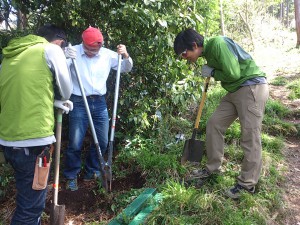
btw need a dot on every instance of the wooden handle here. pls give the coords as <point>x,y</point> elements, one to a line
<point>199,113</point>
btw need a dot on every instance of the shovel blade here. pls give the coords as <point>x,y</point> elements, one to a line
<point>193,151</point>
<point>57,214</point>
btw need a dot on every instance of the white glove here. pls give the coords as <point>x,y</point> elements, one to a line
<point>66,105</point>
<point>207,71</point>
<point>70,52</point>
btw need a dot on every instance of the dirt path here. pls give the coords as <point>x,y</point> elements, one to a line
<point>291,188</point>
<point>291,195</point>
<point>287,65</point>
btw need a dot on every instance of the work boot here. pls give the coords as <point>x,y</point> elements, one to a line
<point>203,173</point>
<point>236,191</point>
<point>72,185</point>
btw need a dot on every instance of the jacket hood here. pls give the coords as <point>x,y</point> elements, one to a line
<point>18,45</point>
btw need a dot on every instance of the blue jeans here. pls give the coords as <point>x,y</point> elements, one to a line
<point>78,124</point>
<point>30,203</point>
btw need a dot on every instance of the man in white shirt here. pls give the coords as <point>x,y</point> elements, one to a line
<point>94,63</point>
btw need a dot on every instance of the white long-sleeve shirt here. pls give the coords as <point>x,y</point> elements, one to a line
<point>94,71</point>
<point>57,63</point>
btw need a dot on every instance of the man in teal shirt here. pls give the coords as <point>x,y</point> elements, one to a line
<point>247,95</point>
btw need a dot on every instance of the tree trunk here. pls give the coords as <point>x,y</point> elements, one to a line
<point>281,12</point>
<point>21,21</point>
<point>287,22</point>
<point>249,29</point>
<point>222,18</point>
<point>297,21</point>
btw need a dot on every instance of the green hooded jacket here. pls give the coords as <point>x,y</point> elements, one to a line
<point>26,91</point>
<point>233,66</point>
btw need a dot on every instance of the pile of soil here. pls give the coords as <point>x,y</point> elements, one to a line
<point>90,202</point>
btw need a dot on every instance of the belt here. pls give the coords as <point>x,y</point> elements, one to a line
<point>94,96</point>
<point>90,96</point>
<point>34,150</point>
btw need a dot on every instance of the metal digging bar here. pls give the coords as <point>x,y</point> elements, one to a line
<point>113,124</point>
<point>99,153</point>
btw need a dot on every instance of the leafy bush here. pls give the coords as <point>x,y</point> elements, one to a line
<point>146,156</point>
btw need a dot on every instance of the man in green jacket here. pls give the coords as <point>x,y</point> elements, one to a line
<point>247,95</point>
<point>32,68</point>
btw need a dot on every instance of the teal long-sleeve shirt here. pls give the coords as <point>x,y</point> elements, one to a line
<point>233,65</point>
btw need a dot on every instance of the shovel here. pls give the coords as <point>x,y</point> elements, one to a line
<point>193,149</point>
<point>113,123</point>
<point>57,213</point>
<point>103,166</point>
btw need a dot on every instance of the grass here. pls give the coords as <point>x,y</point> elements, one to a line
<point>294,87</point>
<point>190,205</point>
<point>279,81</point>
<point>276,109</point>
<point>274,123</point>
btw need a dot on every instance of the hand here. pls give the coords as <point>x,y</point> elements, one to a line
<point>207,71</point>
<point>66,105</point>
<point>121,49</point>
<point>70,52</point>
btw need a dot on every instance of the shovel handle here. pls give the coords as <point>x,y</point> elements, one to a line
<point>199,113</point>
<point>57,154</point>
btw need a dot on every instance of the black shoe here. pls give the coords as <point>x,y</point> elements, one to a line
<point>204,173</point>
<point>235,192</point>
<point>195,182</point>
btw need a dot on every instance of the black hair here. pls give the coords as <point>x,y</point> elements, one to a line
<point>186,39</point>
<point>51,33</point>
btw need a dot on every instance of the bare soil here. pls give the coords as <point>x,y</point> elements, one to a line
<point>88,203</point>
<point>291,195</point>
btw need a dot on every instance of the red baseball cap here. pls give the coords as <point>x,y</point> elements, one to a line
<point>92,36</point>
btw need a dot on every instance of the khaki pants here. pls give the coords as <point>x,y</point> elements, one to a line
<point>247,104</point>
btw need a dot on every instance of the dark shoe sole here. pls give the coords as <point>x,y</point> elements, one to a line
<point>237,196</point>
